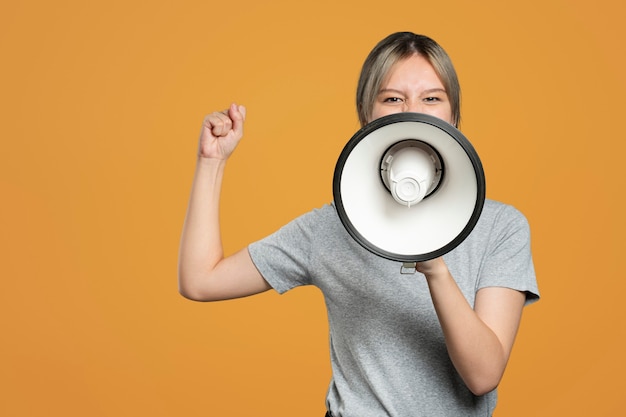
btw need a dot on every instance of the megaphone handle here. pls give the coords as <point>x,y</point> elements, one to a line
<point>408,268</point>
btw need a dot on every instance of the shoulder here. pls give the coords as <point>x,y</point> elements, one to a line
<point>498,217</point>
<point>496,210</point>
<point>500,226</point>
<point>304,229</point>
<point>315,219</point>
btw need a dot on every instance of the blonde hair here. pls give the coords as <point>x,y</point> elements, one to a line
<point>394,48</point>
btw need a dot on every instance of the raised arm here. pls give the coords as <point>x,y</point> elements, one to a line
<point>204,274</point>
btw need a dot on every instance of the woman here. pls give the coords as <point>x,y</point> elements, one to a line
<point>431,344</point>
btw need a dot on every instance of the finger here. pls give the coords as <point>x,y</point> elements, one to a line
<point>237,114</point>
<point>215,119</point>
<point>242,110</point>
<point>218,123</point>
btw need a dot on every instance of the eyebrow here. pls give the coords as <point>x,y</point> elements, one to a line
<point>428,91</point>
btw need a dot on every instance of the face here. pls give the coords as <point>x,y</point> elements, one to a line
<point>412,85</point>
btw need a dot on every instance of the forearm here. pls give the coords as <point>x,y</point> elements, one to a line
<point>475,350</point>
<point>201,245</point>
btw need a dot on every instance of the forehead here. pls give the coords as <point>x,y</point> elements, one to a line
<point>414,70</point>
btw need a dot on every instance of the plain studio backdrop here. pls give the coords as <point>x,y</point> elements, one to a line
<point>101,105</point>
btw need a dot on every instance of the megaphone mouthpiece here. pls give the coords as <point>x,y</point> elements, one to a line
<point>410,170</point>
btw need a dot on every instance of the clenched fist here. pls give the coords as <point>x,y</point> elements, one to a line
<point>221,132</point>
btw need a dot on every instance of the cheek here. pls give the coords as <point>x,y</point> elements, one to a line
<point>445,115</point>
<point>441,112</point>
<point>380,111</point>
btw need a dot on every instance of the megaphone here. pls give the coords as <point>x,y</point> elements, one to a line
<point>409,187</point>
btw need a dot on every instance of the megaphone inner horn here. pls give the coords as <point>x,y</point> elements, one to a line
<point>411,170</point>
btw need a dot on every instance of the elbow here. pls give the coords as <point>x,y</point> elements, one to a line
<point>483,376</point>
<point>483,384</point>
<point>189,290</point>
<point>483,387</point>
<point>196,295</point>
<point>191,295</point>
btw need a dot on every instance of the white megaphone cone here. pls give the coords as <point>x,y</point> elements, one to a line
<point>409,187</point>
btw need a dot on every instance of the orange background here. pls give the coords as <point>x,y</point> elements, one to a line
<point>101,104</point>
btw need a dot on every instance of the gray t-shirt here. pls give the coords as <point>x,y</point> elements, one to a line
<point>387,351</point>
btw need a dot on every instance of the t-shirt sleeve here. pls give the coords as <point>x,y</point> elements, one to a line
<point>508,262</point>
<point>282,258</point>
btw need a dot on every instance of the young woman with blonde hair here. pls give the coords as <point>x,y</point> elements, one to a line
<point>435,343</point>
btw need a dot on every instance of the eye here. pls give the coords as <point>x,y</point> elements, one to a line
<point>392,100</point>
<point>432,99</point>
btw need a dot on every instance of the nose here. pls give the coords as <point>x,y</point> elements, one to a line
<point>413,107</point>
